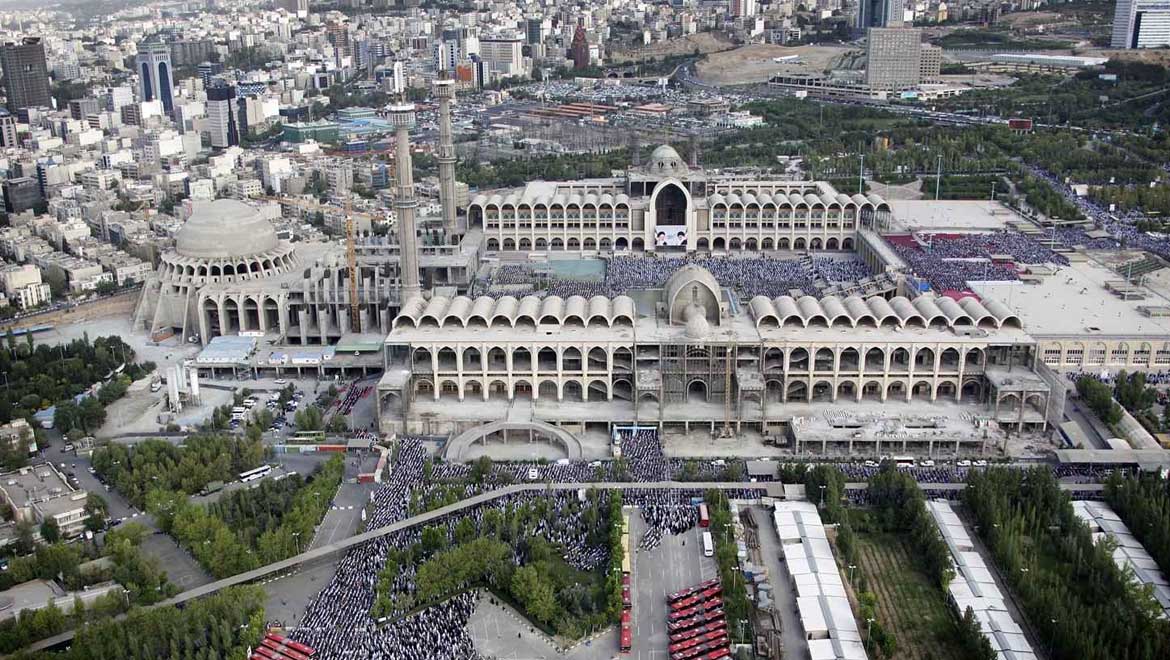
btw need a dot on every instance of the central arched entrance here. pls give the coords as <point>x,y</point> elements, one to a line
<point>670,216</point>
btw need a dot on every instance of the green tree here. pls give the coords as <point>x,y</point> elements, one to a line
<point>531,590</point>
<point>481,469</point>
<point>96,511</point>
<point>1098,397</point>
<point>50,533</point>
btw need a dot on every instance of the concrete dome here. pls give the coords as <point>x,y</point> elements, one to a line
<point>225,229</point>
<point>665,161</point>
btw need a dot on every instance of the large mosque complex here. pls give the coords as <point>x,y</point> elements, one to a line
<point>471,355</point>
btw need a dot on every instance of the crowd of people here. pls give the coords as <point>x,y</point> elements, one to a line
<point>751,276</point>
<point>835,271</point>
<point>1121,226</point>
<point>338,622</point>
<point>353,394</point>
<point>642,451</point>
<point>1153,378</point>
<point>949,261</point>
<point>1021,248</point>
<point>439,631</point>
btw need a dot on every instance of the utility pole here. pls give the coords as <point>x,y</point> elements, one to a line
<point>938,178</point>
<point>861,177</point>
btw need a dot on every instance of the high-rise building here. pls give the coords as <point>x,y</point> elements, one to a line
<point>535,30</point>
<point>880,13</point>
<point>117,97</point>
<point>298,8</point>
<point>221,116</point>
<point>743,8</point>
<point>930,66</point>
<point>446,55</point>
<point>337,34</point>
<point>82,108</point>
<point>189,52</point>
<point>26,76</point>
<point>894,58</point>
<point>8,135</point>
<point>153,65</point>
<point>209,70</point>
<point>503,54</point>
<point>579,49</point>
<point>22,194</point>
<point>1141,24</point>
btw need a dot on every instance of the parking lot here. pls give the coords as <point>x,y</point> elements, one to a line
<point>674,565</point>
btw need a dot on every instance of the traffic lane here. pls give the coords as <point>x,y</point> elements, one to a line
<point>117,505</point>
<point>181,568</point>
<point>343,517</point>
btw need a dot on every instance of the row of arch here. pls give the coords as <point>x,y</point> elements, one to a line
<point>875,360</point>
<point>571,244</point>
<point>738,199</point>
<point>1100,353</point>
<point>175,268</point>
<point>510,312</point>
<point>752,244</point>
<point>448,359</point>
<point>802,390</point>
<point>596,389</point>
<point>231,314</point>
<point>703,243</point>
<point>825,390</point>
<point>514,201</point>
<point>497,359</point>
<point>897,312</point>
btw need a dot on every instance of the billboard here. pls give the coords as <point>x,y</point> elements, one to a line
<point>670,235</point>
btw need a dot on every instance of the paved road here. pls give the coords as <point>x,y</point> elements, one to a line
<point>674,565</point>
<point>180,566</point>
<point>324,552</point>
<point>784,600</point>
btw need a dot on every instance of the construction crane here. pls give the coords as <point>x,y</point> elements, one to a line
<point>355,313</point>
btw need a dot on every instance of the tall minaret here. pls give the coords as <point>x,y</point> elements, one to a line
<point>445,92</point>
<point>405,205</point>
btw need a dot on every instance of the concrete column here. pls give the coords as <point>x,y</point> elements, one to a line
<point>405,204</point>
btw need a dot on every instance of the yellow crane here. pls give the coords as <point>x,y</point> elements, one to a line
<point>355,314</point>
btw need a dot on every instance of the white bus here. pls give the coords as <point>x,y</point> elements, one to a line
<point>253,475</point>
<point>903,461</point>
<point>708,545</point>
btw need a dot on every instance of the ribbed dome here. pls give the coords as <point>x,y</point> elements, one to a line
<point>225,229</point>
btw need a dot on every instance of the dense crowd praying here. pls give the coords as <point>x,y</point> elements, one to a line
<point>338,621</point>
<point>1120,225</point>
<point>750,276</point>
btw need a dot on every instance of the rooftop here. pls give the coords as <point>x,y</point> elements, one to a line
<point>1074,301</point>
<point>32,484</point>
<point>953,215</point>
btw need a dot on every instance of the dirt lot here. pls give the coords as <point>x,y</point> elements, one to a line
<point>756,63</point>
<point>706,42</point>
<point>119,305</point>
<point>1159,56</point>
<point>1027,18</point>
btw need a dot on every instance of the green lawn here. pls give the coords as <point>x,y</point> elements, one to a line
<point>909,605</point>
